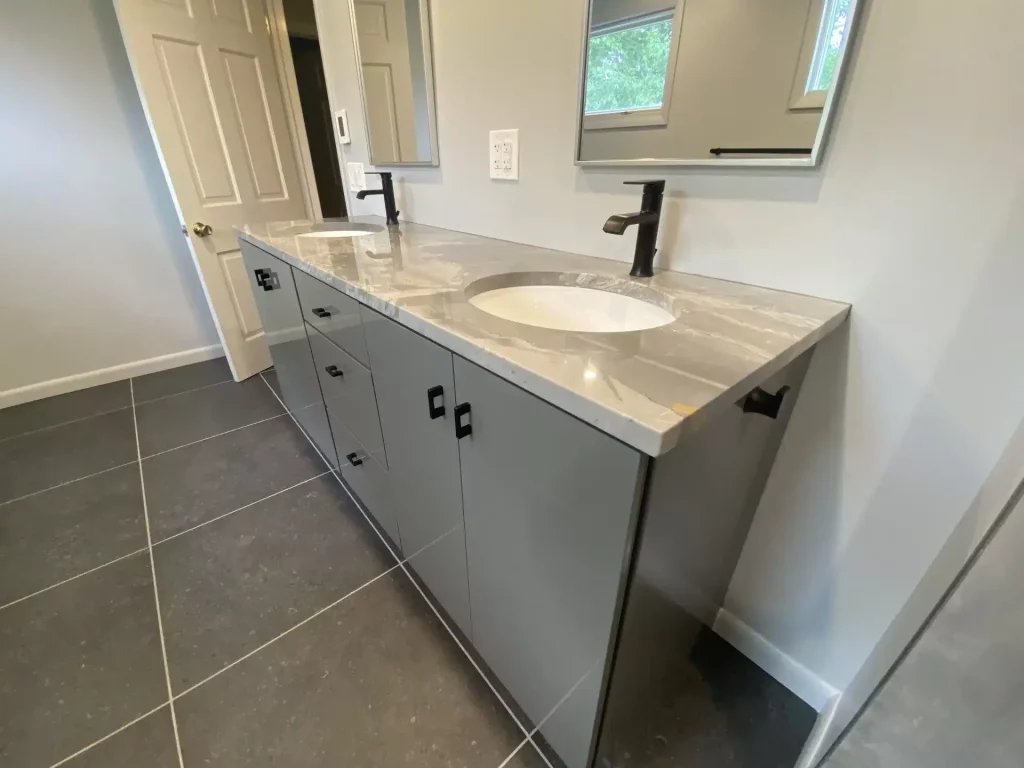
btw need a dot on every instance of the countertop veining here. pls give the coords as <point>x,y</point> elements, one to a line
<point>646,388</point>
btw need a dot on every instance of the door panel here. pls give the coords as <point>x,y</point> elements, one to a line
<point>549,509</point>
<point>205,71</point>
<point>423,458</point>
<point>382,122</point>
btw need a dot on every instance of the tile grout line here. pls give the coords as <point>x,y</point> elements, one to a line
<point>515,751</point>
<point>72,578</point>
<point>67,482</point>
<point>402,565</point>
<point>110,411</point>
<point>156,591</point>
<point>288,631</point>
<point>99,741</point>
<point>233,511</point>
<point>210,437</point>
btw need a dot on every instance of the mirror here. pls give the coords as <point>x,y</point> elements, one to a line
<point>710,82</point>
<point>392,42</point>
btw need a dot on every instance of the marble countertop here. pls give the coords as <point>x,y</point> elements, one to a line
<point>646,388</point>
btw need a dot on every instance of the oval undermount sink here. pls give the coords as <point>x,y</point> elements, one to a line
<point>571,308</point>
<point>337,233</point>
<point>329,229</point>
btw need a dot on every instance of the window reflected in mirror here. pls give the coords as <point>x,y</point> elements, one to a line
<point>703,80</point>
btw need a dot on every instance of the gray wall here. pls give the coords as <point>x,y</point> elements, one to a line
<point>955,699</point>
<point>732,86</point>
<point>914,217</point>
<point>96,272</point>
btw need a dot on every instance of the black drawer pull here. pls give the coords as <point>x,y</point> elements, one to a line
<point>355,462</point>
<point>436,411</point>
<point>266,279</point>
<point>462,430</point>
<point>334,371</point>
<point>320,312</point>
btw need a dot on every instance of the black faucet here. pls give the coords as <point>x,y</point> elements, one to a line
<point>646,219</point>
<point>387,188</point>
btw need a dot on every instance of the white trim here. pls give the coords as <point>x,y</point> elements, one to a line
<point>816,746</point>
<point>282,50</point>
<point>629,118</point>
<point>787,670</point>
<point>88,379</point>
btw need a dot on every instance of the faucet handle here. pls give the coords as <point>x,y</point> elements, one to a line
<point>658,184</point>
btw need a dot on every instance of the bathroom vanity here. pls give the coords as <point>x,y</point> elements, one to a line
<point>566,478</point>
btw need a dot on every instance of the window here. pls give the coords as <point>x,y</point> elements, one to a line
<point>835,24</point>
<point>827,30</point>
<point>628,71</point>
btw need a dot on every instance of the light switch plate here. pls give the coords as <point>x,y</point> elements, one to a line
<point>356,177</point>
<point>503,161</point>
<point>341,117</point>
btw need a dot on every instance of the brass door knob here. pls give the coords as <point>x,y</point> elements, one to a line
<point>202,230</point>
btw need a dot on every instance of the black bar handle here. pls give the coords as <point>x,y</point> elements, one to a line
<point>334,371</point>
<point>355,462</point>
<point>435,411</point>
<point>462,430</point>
<point>764,403</point>
<point>320,312</point>
<point>716,151</point>
<point>265,279</point>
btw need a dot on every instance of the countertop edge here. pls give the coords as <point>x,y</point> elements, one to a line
<point>613,423</point>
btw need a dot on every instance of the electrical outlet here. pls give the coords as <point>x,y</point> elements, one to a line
<point>504,154</point>
<point>356,177</point>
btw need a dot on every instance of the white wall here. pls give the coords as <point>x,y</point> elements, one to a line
<point>96,272</point>
<point>915,218</point>
<point>732,86</point>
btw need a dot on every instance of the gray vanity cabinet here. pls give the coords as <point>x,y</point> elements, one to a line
<point>550,506</point>
<point>277,301</point>
<point>423,456</point>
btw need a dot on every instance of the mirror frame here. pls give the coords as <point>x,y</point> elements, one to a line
<point>426,35</point>
<point>811,161</point>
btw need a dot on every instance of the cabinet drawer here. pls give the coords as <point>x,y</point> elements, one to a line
<point>370,482</point>
<point>332,313</point>
<point>348,393</point>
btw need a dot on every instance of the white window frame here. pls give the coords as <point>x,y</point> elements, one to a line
<point>811,51</point>
<point>651,116</point>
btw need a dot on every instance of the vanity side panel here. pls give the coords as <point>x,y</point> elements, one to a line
<point>550,511</point>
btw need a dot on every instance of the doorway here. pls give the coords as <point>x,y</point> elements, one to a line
<point>304,40</point>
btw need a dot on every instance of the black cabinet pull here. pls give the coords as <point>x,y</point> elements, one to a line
<point>764,403</point>
<point>320,312</point>
<point>355,462</point>
<point>462,430</point>
<point>436,411</point>
<point>266,279</point>
<point>334,371</point>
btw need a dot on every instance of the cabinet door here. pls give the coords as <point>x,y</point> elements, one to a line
<point>550,511</point>
<point>423,456</point>
<point>274,288</point>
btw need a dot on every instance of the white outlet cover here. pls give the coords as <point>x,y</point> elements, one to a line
<point>356,177</point>
<point>503,159</point>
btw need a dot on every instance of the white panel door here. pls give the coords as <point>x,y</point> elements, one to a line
<point>387,80</point>
<point>206,74</point>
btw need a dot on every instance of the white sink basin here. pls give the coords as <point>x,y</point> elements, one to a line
<point>571,308</point>
<point>337,233</point>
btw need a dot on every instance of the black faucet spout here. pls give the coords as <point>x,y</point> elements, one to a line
<point>647,220</point>
<point>387,190</point>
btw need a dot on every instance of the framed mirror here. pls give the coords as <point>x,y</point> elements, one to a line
<point>710,82</point>
<point>396,80</point>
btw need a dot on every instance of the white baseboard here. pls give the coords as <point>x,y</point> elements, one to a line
<point>67,384</point>
<point>816,744</point>
<point>787,670</point>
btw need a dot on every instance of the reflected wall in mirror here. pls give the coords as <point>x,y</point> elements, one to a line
<point>392,41</point>
<point>694,82</point>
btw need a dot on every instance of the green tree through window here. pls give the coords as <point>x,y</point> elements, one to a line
<point>626,67</point>
<point>835,27</point>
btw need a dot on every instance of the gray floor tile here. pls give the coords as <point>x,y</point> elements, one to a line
<point>526,756</point>
<point>148,743</point>
<point>183,379</point>
<point>78,662</point>
<point>45,459</point>
<point>199,482</point>
<point>66,531</point>
<point>52,411</point>
<point>375,681</point>
<point>271,378</point>
<point>175,421</point>
<point>231,586</point>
